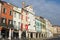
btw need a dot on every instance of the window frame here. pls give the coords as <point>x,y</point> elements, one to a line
<point>4,10</point>
<point>11,12</point>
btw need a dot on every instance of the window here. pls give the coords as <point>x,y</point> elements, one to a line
<point>10,22</point>
<point>4,10</point>
<point>14,22</point>
<point>10,12</point>
<point>18,23</point>
<point>15,27</point>
<point>37,23</point>
<point>19,16</point>
<point>15,14</point>
<point>3,20</point>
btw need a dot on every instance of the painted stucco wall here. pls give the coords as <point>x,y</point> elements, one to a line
<point>16,15</point>
<point>31,21</point>
<point>38,25</point>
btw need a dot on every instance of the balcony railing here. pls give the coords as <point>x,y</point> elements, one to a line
<point>3,24</point>
<point>10,26</point>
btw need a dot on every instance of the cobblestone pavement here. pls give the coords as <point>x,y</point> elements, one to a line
<point>56,38</point>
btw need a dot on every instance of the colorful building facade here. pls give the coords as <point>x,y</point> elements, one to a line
<point>6,17</point>
<point>17,18</point>
<point>49,28</point>
<point>31,22</point>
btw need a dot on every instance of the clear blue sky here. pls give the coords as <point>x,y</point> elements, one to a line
<point>49,9</point>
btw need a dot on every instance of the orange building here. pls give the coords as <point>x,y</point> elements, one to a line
<point>6,17</point>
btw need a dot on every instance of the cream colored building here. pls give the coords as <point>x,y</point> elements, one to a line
<point>43,24</point>
<point>56,31</point>
<point>49,28</point>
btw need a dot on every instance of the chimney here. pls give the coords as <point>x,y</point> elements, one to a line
<point>23,4</point>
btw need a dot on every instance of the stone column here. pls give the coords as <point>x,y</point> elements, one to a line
<point>26,34</point>
<point>34,36</point>
<point>38,35</point>
<point>9,34</point>
<point>19,34</point>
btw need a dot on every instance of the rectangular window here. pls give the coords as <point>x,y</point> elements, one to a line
<point>10,22</point>
<point>15,14</point>
<point>18,23</point>
<point>4,10</point>
<point>3,20</point>
<point>14,22</point>
<point>19,16</point>
<point>10,12</point>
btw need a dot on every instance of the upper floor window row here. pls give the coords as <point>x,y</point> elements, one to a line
<point>4,11</point>
<point>16,14</point>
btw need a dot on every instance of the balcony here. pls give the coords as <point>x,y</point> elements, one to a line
<point>10,25</point>
<point>3,24</point>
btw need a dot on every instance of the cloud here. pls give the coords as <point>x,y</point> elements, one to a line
<point>46,8</point>
<point>49,10</point>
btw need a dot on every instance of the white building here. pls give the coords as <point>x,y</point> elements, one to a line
<point>17,20</point>
<point>48,28</point>
<point>31,22</point>
<point>16,17</point>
